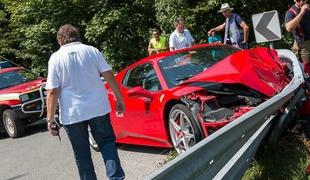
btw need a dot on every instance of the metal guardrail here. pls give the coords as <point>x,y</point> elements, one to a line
<point>227,153</point>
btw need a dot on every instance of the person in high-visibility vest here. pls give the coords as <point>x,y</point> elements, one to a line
<point>157,43</point>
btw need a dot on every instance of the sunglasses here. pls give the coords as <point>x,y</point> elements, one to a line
<point>300,0</point>
<point>155,34</point>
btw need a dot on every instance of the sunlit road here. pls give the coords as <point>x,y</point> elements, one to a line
<point>41,156</point>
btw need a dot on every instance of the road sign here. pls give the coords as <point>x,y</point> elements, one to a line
<point>266,26</point>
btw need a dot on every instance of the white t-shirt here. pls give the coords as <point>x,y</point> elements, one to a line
<point>75,69</point>
<point>180,40</point>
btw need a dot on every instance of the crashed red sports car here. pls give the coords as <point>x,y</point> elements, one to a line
<point>175,99</point>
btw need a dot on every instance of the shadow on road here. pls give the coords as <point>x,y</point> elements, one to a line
<point>17,177</point>
<point>37,127</point>
<point>144,149</point>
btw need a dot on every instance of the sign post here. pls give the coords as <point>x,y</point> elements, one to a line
<point>267,27</point>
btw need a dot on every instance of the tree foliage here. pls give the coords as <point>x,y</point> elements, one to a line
<point>119,28</point>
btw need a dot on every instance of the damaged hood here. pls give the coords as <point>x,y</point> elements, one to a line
<point>259,69</point>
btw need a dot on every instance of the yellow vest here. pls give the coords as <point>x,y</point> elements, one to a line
<point>159,45</point>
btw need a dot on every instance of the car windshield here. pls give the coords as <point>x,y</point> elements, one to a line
<point>13,78</point>
<point>185,65</point>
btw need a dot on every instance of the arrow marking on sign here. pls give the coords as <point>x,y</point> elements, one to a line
<point>262,26</point>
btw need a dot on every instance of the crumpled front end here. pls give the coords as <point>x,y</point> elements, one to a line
<point>214,111</point>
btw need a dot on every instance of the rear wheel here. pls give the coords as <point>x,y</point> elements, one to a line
<point>184,130</point>
<point>14,127</point>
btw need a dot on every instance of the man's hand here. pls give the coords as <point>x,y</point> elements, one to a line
<point>210,32</point>
<point>52,131</point>
<point>304,8</point>
<point>119,108</point>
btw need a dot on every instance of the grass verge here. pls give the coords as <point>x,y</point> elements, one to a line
<point>286,160</point>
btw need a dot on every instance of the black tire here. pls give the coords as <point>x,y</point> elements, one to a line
<point>190,130</point>
<point>14,127</point>
<point>92,141</point>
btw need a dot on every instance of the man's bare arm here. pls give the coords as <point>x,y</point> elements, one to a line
<point>292,25</point>
<point>245,28</point>
<point>110,79</point>
<point>218,28</point>
<point>51,102</point>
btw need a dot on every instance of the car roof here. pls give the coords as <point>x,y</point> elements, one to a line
<point>10,69</point>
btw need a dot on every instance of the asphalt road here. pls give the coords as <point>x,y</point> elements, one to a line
<point>39,156</point>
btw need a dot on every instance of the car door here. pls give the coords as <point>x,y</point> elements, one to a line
<point>143,110</point>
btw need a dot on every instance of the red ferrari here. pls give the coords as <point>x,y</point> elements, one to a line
<point>175,99</point>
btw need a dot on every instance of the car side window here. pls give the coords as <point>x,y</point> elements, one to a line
<point>144,76</point>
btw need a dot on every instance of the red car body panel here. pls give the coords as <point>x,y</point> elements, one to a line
<point>145,122</point>
<point>259,69</point>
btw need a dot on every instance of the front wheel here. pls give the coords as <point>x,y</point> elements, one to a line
<point>184,130</point>
<point>14,127</point>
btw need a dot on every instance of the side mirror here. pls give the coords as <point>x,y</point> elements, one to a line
<point>140,92</point>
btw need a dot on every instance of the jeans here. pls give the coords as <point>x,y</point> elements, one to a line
<point>240,45</point>
<point>103,134</point>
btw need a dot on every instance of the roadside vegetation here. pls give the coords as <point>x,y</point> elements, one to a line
<point>286,160</point>
<point>120,29</point>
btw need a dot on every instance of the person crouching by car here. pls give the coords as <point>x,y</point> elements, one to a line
<point>74,79</point>
<point>214,38</point>
<point>157,43</point>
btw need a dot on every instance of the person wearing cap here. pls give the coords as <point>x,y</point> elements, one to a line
<point>236,30</point>
<point>297,21</point>
<point>181,37</point>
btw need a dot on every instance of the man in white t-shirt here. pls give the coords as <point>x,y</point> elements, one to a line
<point>181,37</point>
<point>74,79</point>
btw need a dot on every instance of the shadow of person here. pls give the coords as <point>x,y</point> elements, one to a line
<point>34,128</point>
<point>143,149</point>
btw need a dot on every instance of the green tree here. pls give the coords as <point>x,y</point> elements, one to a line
<point>119,28</point>
<point>201,16</point>
<point>122,31</point>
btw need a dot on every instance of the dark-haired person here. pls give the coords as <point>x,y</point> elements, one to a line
<point>181,37</point>
<point>157,43</point>
<point>74,79</point>
<point>297,21</point>
<point>236,30</point>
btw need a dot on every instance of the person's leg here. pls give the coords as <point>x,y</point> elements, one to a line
<point>296,51</point>
<point>78,136</point>
<point>103,134</point>
<point>305,56</point>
